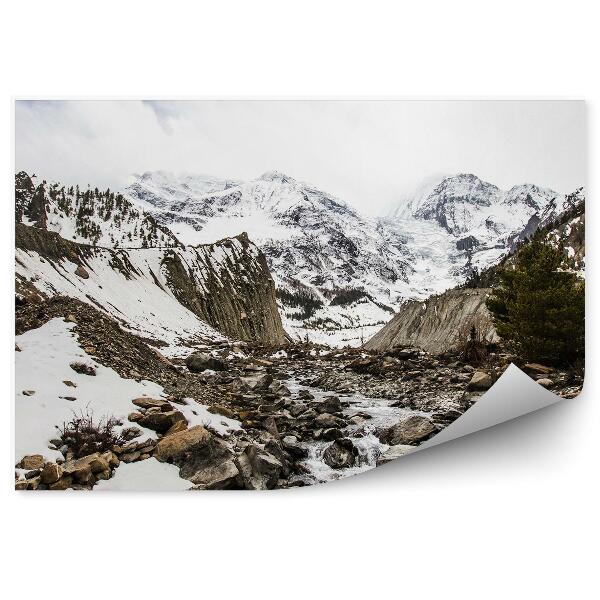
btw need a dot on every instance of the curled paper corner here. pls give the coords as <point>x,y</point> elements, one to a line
<point>513,395</point>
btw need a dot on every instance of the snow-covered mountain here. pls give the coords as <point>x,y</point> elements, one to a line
<point>464,223</point>
<point>90,216</point>
<point>339,275</point>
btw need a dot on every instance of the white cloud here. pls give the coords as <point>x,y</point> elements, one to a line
<point>366,152</point>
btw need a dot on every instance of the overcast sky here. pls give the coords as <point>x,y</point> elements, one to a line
<point>369,153</point>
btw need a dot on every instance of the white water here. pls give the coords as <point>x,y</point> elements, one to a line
<point>368,445</point>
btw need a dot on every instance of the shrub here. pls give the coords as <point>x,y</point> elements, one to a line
<point>83,436</point>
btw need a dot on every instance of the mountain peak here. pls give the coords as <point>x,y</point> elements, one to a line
<point>276,176</point>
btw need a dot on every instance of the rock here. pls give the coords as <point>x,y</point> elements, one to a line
<point>80,271</point>
<point>394,452</point>
<point>238,386</point>
<point>537,369</point>
<point>64,483</point>
<point>69,383</point>
<point>219,409</point>
<point>258,383</point>
<point>341,454</point>
<point>129,457</point>
<point>330,404</point>
<point>28,392</point>
<point>130,433</point>
<point>178,445</point>
<point>51,473</point>
<point>480,381</point>
<point>83,369</point>
<point>152,403</point>
<point>176,427</point>
<point>218,477</point>
<point>329,435</point>
<point>356,420</point>
<point>82,468</point>
<point>31,461</point>
<point>545,382</point>
<point>270,425</point>
<point>411,430</point>
<point>134,417</point>
<point>160,421</point>
<point>362,365</point>
<point>327,421</point>
<point>204,459</point>
<point>297,409</point>
<point>200,361</point>
<point>290,443</point>
<point>258,469</point>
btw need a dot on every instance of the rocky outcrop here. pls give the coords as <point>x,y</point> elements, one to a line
<point>437,324</point>
<point>226,285</point>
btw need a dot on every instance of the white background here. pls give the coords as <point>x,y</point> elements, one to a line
<point>506,513</point>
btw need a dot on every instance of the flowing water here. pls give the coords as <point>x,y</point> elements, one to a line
<point>368,445</point>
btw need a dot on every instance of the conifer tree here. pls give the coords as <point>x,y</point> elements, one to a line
<point>539,306</point>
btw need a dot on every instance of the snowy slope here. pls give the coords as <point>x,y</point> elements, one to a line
<point>462,222</point>
<point>179,296</point>
<point>42,365</point>
<point>318,248</point>
<point>88,216</point>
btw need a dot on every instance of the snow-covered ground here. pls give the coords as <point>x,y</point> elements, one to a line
<point>147,475</point>
<point>42,365</point>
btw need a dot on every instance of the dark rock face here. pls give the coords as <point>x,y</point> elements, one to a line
<point>239,300</point>
<point>341,454</point>
<point>236,296</point>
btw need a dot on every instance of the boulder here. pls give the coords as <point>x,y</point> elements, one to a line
<point>152,403</point>
<point>219,409</point>
<point>362,365</point>
<point>200,361</point>
<point>328,421</point>
<point>537,369</point>
<point>179,445</point>
<point>394,452</point>
<point>330,404</point>
<point>341,454</point>
<point>411,430</point>
<point>80,271</point>
<point>545,382</point>
<point>160,421</point>
<point>258,469</point>
<point>480,381</point>
<point>31,461</point>
<point>329,435</point>
<point>63,483</point>
<point>218,477</point>
<point>204,459</point>
<point>290,443</point>
<point>258,383</point>
<point>82,469</point>
<point>51,473</point>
